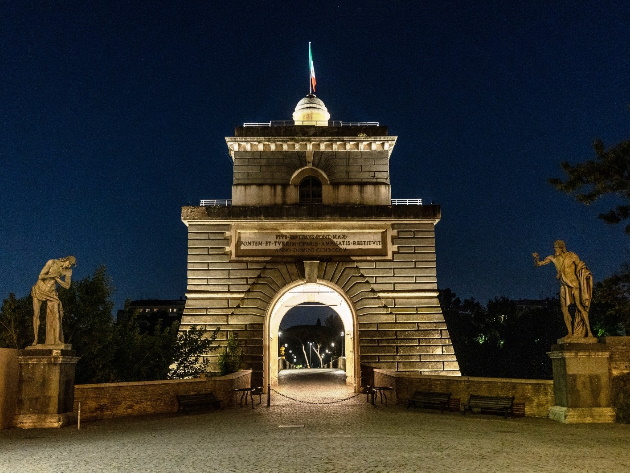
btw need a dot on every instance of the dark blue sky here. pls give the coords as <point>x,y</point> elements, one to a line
<point>113,115</point>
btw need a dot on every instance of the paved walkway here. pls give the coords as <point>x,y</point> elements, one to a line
<point>290,436</point>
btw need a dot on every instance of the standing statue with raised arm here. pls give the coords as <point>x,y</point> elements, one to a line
<point>56,271</point>
<point>576,287</point>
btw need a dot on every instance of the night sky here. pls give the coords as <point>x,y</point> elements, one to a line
<point>113,116</point>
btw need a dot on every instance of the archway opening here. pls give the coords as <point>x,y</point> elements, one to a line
<point>297,310</point>
<point>311,338</point>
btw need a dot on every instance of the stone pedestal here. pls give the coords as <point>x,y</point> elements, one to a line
<point>581,383</point>
<point>45,386</point>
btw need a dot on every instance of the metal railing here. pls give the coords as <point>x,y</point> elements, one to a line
<point>216,202</point>
<point>406,201</point>
<point>227,202</point>
<point>310,122</point>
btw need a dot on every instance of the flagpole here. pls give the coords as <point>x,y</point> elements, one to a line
<point>310,82</point>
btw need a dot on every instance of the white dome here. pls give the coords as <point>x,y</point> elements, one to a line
<point>311,111</point>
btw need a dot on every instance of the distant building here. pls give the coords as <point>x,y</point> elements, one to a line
<point>524,305</point>
<point>150,311</point>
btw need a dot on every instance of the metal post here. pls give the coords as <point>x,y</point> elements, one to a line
<point>268,395</point>
<point>79,417</point>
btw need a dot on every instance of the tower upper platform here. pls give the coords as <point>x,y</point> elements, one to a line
<point>311,160</point>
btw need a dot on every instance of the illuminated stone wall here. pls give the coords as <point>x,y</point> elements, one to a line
<point>353,169</point>
<point>379,257</point>
<point>8,386</point>
<point>393,293</point>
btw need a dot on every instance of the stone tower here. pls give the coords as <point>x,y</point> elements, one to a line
<point>311,220</point>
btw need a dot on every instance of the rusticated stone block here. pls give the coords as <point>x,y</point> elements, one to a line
<point>378,350</point>
<point>441,357</point>
<point>397,326</point>
<point>420,365</point>
<point>376,334</point>
<point>421,350</point>
<point>399,341</point>
<point>422,334</point>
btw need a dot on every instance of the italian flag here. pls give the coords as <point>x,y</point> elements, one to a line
<point>311,68</point>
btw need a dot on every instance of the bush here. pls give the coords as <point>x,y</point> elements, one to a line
<point>230,360</point>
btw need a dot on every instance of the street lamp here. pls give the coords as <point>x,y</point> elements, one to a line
<point>342,340</point>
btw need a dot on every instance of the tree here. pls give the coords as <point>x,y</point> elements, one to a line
<point>316,337</point>
<point>528,335</point>
<point>608,174</point>
<point>507,338</point>
<point>462,319</point>
<point>16,329</point>
<point>88,326</point>
<point>188,350</point>
<point>109,350</point>
<point>230,360</point>
<point>335,324</point>
<point>300,334</point>
<point>610,311</point>
<point>140,355</point>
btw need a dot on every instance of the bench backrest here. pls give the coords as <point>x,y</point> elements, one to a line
<point>431,395</point>
<point>197,397</point>
<point>491,401</point>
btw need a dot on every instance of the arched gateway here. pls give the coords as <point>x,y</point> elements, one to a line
<point>311,220</point>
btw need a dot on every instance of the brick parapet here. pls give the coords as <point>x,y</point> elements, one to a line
<point>109,400</point>
<point>536,394</point>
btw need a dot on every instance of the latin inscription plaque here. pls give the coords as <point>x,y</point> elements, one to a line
<point>311,243</point>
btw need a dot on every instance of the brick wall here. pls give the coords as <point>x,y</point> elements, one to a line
<point>104,401</point>
<point>536,394</point>
<point>8,386</point>
<point>619,369</point>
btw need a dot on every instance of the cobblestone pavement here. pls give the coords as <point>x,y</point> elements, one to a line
<point>292,436</point>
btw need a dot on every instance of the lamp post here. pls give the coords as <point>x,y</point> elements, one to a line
<point>342,340</point>
<point>332,353</point>
<point>310,359</point>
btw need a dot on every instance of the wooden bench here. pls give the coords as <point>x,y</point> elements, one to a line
<point>430,400</point>
<point>490,404</point>
<point>194,402</point>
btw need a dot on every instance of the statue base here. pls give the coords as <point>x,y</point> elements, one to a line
<point>50,346</point>
<point>568,339</point>
<point>45,387</point>
<point>583,415</point>
<point>43,421</point>
<point>581,383</point>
